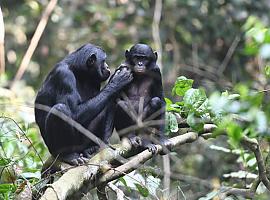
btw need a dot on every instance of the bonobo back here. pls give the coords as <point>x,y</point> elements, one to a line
<point>71,92</point>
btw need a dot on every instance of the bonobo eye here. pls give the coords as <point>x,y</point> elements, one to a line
<point>91,60</point>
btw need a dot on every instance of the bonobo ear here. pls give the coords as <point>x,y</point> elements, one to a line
<point>91,60</point>
<point>156,56</point>
<point>127,53</point>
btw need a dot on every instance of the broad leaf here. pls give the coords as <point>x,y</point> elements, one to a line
<point>182,84</point>
<point>142,190</point>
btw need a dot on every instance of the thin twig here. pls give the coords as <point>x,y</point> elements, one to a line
<point>34,41</point>
<point>2,40</point>
<point>253,145</point>
<point>228,56</point>
<point>167,174</point>
<point>155,31</point>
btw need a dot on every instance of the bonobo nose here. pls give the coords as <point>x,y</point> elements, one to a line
<point>140,64</point>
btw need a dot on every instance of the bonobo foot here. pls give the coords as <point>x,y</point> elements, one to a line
<point>135,141</point>
<point>89,151</point>
<point>152,148</point>
<point>166,145</point>
<point>73,159</point>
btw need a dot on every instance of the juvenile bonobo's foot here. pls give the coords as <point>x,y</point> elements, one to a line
<point>135,141</point>
<point>166,145</point>
<point>89,151</point>
<point>73,159</point>
<point>152,148</point>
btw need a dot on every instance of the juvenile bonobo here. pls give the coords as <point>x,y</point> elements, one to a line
<point>142,98</point>
<point>73,88</point>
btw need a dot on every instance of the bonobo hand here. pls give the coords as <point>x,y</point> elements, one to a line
<point>73,159</point>
<point>121,77</point>
<point>155,103</point>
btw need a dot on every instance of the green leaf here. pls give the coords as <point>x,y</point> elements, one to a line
<point>196,100</point>
<point>171,122</point>
<point>267,70</point>
<point>194,122</point>
<point>6,187</point>
<point>142,190</point>
<point>4,161</point>
<point>122,180</point>
<point>170,106</point>
<point>235,133</point>
<point>168,101</point>
<point>182,84</point>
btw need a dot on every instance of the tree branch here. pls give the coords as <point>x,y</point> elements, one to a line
<point>83,178</point>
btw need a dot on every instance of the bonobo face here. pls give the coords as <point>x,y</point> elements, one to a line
<point>97,65</point>
<point>140,63</point>
<point>141,58</point>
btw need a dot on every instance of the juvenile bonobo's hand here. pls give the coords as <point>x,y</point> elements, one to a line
<point>121,77</point>
<point>156,102</point>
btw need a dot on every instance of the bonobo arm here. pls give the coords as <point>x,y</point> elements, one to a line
<point>88,110</point>
<point>84,112</point>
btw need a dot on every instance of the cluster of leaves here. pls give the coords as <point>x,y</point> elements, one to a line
<point>21,148</point>
<point>239,113</point>
<point>242,113</point>
<point>193,106</point>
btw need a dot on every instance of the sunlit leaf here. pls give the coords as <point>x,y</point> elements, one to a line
<point>267,70</point>
<point>194,122</point>
<point>142,190</point>
<point>182,84</point>
<point>235,133</point>
<point>171,122</point>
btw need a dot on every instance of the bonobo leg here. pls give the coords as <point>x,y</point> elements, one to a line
<point>66,148</point>
<point>154,106</point>
<point>156,111</point>
<point>102,127</point>
<point>125,118</point>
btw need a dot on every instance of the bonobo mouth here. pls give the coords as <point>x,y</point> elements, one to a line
<point>139,71</point>
<point>105,71</point>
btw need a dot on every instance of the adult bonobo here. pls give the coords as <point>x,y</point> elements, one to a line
<point>73,88</point>
<point>141,99</point>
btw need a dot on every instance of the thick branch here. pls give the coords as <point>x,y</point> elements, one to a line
<point>74,179</point>
<point>253,145</point>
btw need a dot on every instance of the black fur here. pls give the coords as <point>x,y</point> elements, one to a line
<point>147,88</point>
<point>73,88</point>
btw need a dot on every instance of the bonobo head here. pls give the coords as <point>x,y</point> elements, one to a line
<point>89,60</point>
<point>141,58</point>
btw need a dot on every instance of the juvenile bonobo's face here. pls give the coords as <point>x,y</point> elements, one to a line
<point>96,64</point>
<point>141,58</point>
